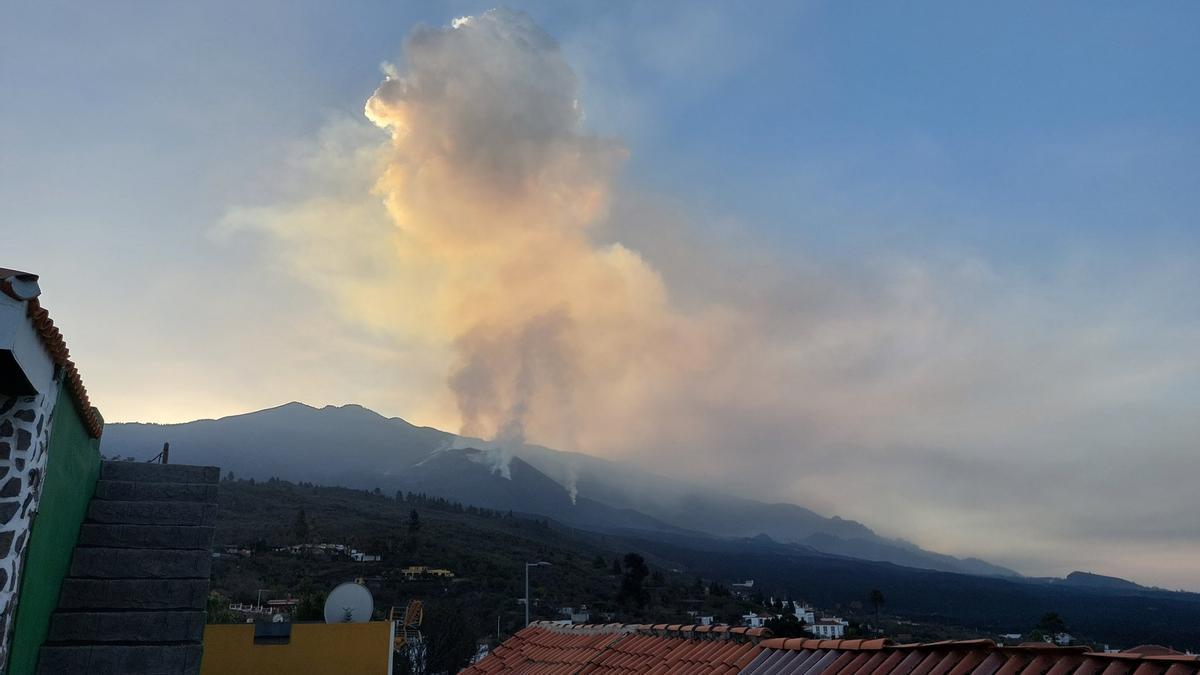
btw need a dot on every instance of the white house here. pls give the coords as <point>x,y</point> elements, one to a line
<point>828,627</point>
<point>359,556</point>
<point>755,620</point>
<point>581,615</point>
<point>742,589</point>
<point>803,613</point>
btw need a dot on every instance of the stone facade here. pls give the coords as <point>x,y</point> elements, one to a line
<point>24,437</point>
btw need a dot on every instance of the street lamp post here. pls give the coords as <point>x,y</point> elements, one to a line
<point>527,566</point>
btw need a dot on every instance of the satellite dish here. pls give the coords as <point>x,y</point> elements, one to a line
<point>349,603</point>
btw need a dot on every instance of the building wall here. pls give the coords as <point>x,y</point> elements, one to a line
<point>72,469</point>
<point>314,648</point>
<point>24,430</point>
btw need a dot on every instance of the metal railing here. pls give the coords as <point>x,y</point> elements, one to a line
<point>161,457</point>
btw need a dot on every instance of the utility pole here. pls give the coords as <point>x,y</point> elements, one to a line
<point>527,566</point>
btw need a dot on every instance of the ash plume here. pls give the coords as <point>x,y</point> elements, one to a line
<point>491,175</point>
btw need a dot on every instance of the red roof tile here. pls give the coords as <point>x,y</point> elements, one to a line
<point>666,650</point>
<point>967,657</point>
<point>57,347</point>
<point>660,649</point>
<point>23,286</point>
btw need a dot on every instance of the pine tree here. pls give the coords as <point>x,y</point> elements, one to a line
<point>877,600</point>
<point>633,589</point>
<point>300,527</point>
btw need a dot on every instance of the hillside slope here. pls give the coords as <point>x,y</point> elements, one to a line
<point>487,552</point>
<point>458,472</point>
<point>353,446</point>
<point>984,605</point>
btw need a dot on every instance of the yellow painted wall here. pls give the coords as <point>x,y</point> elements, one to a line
<point>315,649</point>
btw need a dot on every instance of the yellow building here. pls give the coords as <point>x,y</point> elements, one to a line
<point>301,648</point>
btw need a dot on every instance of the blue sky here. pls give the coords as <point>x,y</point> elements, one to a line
<point>984,215</point>
<point>1015,130</point>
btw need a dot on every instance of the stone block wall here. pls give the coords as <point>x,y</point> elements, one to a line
<point>24,437</point>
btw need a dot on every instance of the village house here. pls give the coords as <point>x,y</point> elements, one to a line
<point>417,572</point>
<point>828,627</point>
<point>576,615</point>
<point>755,620</point>
<point>803,613</point>
<point>359,556</point>
<point>283,604</point>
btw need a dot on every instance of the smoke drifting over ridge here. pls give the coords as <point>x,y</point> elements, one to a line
<point>491,176</point>
<point>493,278</point>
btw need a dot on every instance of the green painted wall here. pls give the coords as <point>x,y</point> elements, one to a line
<point>72,468</point>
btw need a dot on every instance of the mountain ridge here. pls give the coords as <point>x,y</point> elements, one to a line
<point>355,446</point>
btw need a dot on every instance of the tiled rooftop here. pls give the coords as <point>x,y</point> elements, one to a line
<point>551,649</point>
<point>544,649</point>
<point>23,286</point>
<point>802,656</point>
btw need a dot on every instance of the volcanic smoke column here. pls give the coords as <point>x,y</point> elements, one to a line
<point>491,175</point>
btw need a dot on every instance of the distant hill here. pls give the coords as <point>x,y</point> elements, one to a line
<point>1100,581</point>
<point>356,447</point>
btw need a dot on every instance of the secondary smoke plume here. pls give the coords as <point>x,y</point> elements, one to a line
<point>491,176</point>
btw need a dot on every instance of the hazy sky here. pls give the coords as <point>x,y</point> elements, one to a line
<point>928,266</point>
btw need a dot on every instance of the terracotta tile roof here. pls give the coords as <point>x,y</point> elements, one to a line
<point>659,649</point>
<point>668,649</point>
<point>802,656</point>
<point>23,286</point>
